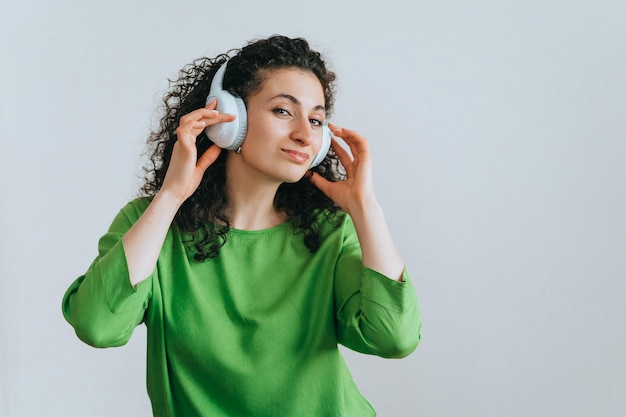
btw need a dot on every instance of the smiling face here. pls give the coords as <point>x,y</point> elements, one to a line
<point>284,126</point>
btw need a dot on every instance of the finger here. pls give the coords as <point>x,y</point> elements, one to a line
<point>335,128</point>
<point>211,105</point>
<point>195,127</point>
<point>188,132</point>
<point>208,157</point>
<point>218,118</point>
<point>344,157</point>
<point>320,182</point>
<point>196,115</point>
<point>204,113</point>
<point>357,143</point>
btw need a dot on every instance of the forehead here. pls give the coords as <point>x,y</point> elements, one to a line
<point>303,85</point>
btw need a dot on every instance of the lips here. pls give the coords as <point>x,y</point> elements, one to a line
<point>297,156</point>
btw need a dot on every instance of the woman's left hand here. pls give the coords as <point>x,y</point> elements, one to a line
<point>355,195</point>
<point>356,192</point>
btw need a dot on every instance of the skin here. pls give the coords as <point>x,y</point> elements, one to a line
<point>284,135</point>
<point>284,128</point>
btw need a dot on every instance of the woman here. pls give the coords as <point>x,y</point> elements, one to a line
<point>250,264</point>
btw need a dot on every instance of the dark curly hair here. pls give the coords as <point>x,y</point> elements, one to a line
<point>202,216</point>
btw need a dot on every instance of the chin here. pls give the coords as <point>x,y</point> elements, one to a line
<point>293,180</point>
<point>293,177</point>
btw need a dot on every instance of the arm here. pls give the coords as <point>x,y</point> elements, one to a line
<point>377,307</point>
<point>102,305</point>
<point>106,303</point>
<point>356,196</point>
<point>375,314</point>
<point>143,242</point>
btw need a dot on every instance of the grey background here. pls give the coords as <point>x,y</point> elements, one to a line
<point>498,135</point>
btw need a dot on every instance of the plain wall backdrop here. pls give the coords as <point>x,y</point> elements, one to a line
<point>498,132</point>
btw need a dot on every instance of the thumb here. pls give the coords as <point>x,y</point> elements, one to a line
<point>320,182</point>
<point>208,157</point>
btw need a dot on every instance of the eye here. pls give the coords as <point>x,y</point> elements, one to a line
<point>281,111</point>
<point>316,122</point>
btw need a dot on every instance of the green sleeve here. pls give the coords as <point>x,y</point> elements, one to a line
<point>375,314</point>
<point>102,305</point>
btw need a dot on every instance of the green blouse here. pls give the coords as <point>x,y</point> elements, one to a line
<point>254,331</point>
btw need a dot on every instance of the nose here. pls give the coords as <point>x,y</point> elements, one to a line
<point>302,131</point>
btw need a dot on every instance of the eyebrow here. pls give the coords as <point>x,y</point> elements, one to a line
<point>296,101</point>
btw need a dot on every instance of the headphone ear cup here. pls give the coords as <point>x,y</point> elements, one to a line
<point>228,135</point>
<point>326,139</point>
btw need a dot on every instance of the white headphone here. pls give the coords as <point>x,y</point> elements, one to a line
<point>232,134</point>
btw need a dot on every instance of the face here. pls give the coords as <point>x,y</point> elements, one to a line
<point>284,126</point>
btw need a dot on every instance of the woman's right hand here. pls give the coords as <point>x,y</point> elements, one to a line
<point>185,170</point>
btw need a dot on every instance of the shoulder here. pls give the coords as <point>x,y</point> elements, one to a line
<point>131,212</point>
<point>137,206</point>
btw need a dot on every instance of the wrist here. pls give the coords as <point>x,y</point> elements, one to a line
<point>168,200</point>
<point>364,207</point>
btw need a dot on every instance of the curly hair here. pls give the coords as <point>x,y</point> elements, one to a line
<point>202,216</point>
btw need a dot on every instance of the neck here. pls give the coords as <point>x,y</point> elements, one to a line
<point>250,199</point>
